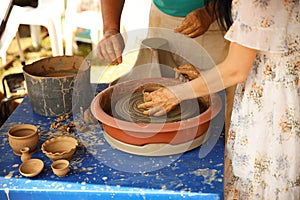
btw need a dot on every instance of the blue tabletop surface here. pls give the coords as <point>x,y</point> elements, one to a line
<point>101,172</point>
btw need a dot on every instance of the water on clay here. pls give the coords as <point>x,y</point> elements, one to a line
<point>126,108</point>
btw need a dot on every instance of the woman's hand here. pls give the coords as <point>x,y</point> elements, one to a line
<point>159,102</point>
<point>195,23</point>
<point>110,48</point>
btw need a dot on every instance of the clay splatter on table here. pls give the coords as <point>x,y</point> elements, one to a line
<point>99,169</point>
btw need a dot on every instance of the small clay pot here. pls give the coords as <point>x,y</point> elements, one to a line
<point>25,154</point>
<point>60,167</point>
<point>31,167</point>
<point>62,147</point>
<point>23,135</point>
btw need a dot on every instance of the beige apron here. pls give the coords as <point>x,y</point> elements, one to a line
<point>212,41</point>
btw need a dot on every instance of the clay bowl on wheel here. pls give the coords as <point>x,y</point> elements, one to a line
<point>115,108</point>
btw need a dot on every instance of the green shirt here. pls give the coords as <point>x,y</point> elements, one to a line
<point>178,8</point>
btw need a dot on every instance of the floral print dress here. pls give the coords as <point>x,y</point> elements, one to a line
<point>263,147</point>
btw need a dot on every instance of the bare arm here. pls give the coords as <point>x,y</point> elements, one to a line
<point>111,46</point>
<point>234,69</point>
<point>111,14</point>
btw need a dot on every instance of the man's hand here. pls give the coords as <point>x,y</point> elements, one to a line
<point>195,23</point>
<point>110,48</point>
<point>189,71</point>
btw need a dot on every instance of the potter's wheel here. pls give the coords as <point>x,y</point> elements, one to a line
<point>116,109</point>
<point>126,108</point>
<point>158,149</point>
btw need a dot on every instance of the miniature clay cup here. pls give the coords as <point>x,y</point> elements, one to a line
<point>61,147</point>
<point>60,167</point>
<point>31,167</point>
<point>25,154</point>
<point>23,135</point>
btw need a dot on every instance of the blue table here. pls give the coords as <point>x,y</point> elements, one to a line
<point>101,172</point>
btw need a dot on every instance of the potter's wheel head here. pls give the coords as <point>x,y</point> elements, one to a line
<point>126,108</point>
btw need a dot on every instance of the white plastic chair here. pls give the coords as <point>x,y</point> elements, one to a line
<point>87,19</point>
<point>47,14</point>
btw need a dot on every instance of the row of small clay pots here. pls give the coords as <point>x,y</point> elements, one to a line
<point>24,139</point>
<point>32,167</point>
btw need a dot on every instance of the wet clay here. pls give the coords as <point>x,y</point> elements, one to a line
<point>126,108</point>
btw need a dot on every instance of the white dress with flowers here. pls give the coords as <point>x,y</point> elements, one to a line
<point>263,148</point>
